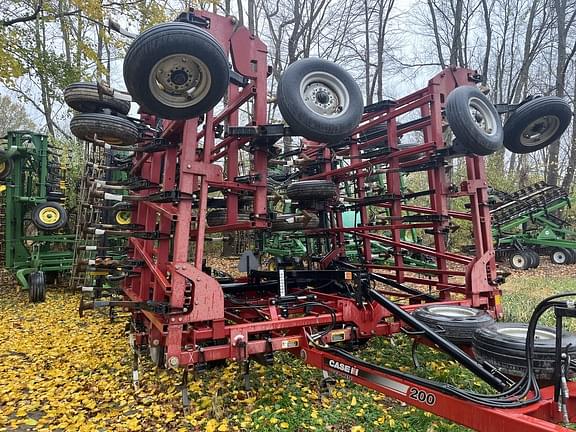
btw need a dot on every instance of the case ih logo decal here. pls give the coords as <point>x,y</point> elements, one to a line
<point>347,369</point>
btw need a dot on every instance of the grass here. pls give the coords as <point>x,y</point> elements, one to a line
<point>62,372</point>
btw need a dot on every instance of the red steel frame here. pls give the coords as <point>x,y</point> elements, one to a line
<point>208,327</point>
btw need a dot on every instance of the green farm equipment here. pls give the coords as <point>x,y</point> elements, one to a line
<point>525,226</point>
<point>34,218</point>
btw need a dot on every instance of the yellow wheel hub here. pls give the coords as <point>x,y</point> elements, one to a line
<point>124,217</point>
<point>49,215</point>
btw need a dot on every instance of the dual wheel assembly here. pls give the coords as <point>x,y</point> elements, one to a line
<point>501,344</point>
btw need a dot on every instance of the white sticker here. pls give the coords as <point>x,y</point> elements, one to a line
<point>289,162</point>
<point>135,376</point>
<point>288,201</point>
<point>112,197</point>
<point>282,283</point>
<point>291,220</point>
<point>107,146</point>
<point>99,231</point>
<point>91,262</point>
<point>87,289</point>
<point>91,248</point>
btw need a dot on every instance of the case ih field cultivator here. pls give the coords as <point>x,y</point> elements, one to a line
<point>199,168</point>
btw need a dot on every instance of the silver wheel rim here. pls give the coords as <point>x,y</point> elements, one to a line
<point>324,94</point>
<point>180,80</point>
<point>559,257</point>
<point>482,116</point>
<point>453,311</point>
<point>518,261</point>
<point>521,333</point>
<point>539,131</point>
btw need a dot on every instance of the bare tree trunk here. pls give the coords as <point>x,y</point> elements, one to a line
<point>554,148</point>
<point>436,34</point>
<point>488,28</point>
<point>367,14</point>
<point>456,48</point>
<point>568,181</point>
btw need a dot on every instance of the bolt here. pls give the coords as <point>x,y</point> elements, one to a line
<point>180,319</point>
<point>155,342</point>
<point>188,166</point>
<point>172,319</point>
<point>173,362</point>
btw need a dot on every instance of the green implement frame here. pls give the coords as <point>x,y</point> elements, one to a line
<point>26,187</point>
<point>527,219</point>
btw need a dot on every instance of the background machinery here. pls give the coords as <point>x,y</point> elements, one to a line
<point>36,246</point>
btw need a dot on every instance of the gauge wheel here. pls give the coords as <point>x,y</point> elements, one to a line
<point>36,287</point>
<point>50,216</point>
<point>312,190</point>
<point>85,97</point>
<point>455,323</point>
<point>6,166</point>
<point>319,100</point>
<point>503,345</point>
<point>176,70</point>
<point>560,256</point>
<point>536,124</point>
<point>535,258</point>
<point>474,121</point>
<point>123,217</point>
<point>519,260</point>
<point>111,129</point>
<point>220,217</point>
<point>573,256</point>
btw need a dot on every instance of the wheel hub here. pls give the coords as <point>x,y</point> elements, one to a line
<point>180,80</point>
<point>324,94</point>
<point>559,257</point>
<point>49,215</point>
<point>540,130</point>
<point>482,116</point>
<point>179,77</point>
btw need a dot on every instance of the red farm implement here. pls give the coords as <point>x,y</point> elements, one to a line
<point>202,151</point>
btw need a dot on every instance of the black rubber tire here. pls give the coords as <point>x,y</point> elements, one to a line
<point>573,258</point>
<point>37,287</point>
<point>7,167</point>
<point>84,97</point>
<point>560,256</point>
<point>507,351</point>
<point>281,223</point>
<point>168,39</point>
<point>520,124</point>
<point>455,323</point>
<point>312,190</point>
<point>519,260</point>
<point>220,217</point>
<point>535,258</point>
<point>311,124</point>
<point>464,125</point>
<point>46,226</point>
<point>111,129</point>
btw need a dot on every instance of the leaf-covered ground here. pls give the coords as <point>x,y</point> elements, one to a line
<point>62,372</point>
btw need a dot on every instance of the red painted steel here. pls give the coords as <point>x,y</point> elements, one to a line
<point>207,324</point>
